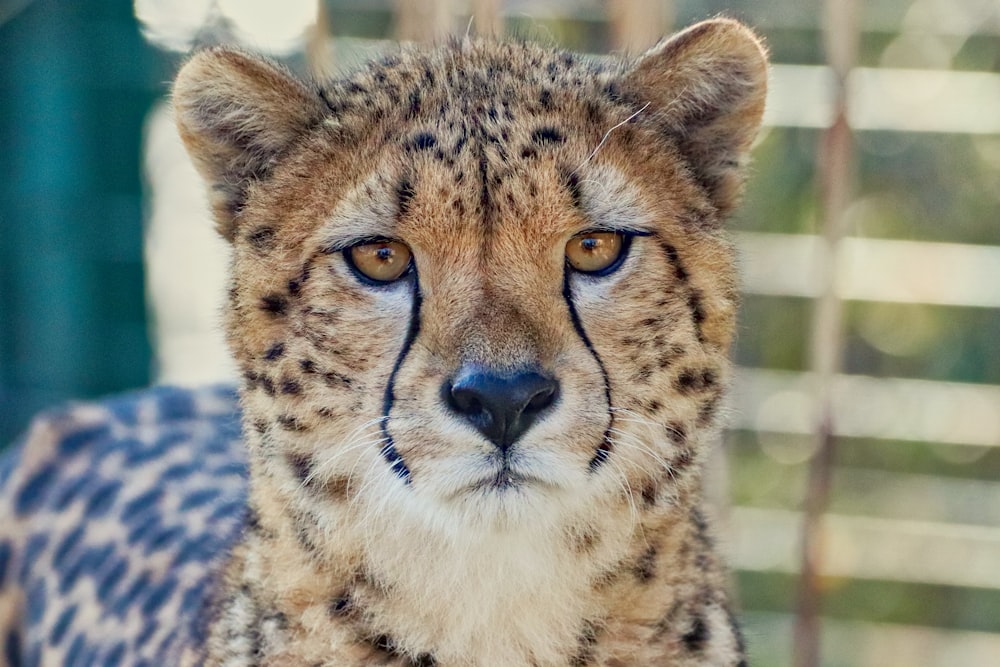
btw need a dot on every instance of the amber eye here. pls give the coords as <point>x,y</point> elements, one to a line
<point>380,261</point>
<point>596,252</point>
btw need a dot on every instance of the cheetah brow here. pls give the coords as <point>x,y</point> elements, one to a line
<point>607,134</point>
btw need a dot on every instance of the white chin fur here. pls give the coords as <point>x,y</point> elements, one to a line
<point>504,554</point>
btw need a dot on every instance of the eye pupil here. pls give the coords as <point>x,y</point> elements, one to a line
<point>596,252</point>
<point>380,261</point>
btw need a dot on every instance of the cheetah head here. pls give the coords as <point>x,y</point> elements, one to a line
<point>482,284</point>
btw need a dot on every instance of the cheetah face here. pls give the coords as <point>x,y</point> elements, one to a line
<point>484,282</point>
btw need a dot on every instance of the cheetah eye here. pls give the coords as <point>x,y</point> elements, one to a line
<point>381,261</point>
<point>597,253</point>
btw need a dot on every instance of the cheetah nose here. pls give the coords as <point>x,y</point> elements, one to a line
<point>501,407</point>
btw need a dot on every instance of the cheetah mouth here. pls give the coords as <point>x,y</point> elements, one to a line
<point>506,479</point>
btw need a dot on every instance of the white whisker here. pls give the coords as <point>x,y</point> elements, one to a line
<point>607,134</point>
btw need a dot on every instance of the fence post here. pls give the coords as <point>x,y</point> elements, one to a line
<point>636,25</point>
<point>487,19</point>
<point>423,20</point>
<point>319,54</point>
<point>834,179</point>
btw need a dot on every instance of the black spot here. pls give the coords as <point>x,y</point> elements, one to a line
<point>274,352</point>
<point>302,465</point>
<point>262,238</point>
<point>251,520</point>
<point>61,625</point>
<point>741,644</point>
<point>649,494</point>
<point>697,313</point>
<point>335,379</point>
<point>340,606</point>
<point>700,528</point>
<point>572,181</point>
<point>645,568</point>
<point>295,284</point>
<point>415,105</point>
<point>6,553</point>
<point>586,641</point>
<point>12,648</point>
<point>274,304</point>
<point>594,114</point>
<point>307,365</point>
<point>693,380</point>
<point>34,490</point>
<point>423,660</point>
<point>687,381</point>
<point>529,153</point>
<point>545,99</point>
<point>289,386</point>
<point>404,195</point>
<point>683,460</point>
<point>384,643</point>
<point>695,638</point>
<point>422,141</point>
<point>290,423</point>
<point>260,426</point>
<point>547,135</point>
<point>707,410</point>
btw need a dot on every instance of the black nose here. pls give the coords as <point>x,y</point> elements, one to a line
<point>501,407</point>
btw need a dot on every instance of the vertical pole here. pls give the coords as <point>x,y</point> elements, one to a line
<point>487,19</point>
<point>319,56</point>
<point>423,20</point>
<point>835,177</point>
<point>636,25</point>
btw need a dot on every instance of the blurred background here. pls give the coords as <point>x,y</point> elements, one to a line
<point>864,447</point>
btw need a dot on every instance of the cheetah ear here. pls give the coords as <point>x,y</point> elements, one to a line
<point>237,114</point>
<point>706,87</point>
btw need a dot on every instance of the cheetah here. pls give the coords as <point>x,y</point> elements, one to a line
<point>482,304</point>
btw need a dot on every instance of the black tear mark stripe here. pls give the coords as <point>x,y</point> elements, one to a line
<point>604,449</point>
<point>389,453</point>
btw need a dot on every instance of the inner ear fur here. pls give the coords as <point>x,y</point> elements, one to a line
<point>237,114</point>
<point>706,88</point>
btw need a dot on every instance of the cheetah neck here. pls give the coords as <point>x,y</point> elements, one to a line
<point>539,593</point>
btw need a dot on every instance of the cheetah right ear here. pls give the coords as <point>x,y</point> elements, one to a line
<point>705,87</point>
<point>237,115</point>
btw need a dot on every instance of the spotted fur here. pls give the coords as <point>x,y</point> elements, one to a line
<point>381,524</point>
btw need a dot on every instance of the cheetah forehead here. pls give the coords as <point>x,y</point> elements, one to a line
<point>691,105</point>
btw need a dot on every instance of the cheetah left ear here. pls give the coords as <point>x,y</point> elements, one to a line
<point>706,88</point>
<point>238,114</point>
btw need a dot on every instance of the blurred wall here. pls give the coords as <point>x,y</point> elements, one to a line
<point>76,82</point>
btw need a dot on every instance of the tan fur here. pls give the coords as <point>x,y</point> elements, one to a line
<point>485,159</point>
